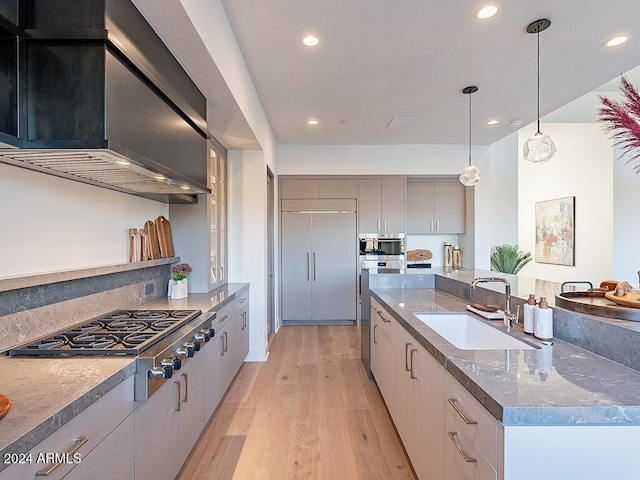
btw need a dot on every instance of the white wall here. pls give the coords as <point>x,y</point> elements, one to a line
<point>626,216</point>
<point>582,167</point>
<point>247,170</point>
<point>50,223</point>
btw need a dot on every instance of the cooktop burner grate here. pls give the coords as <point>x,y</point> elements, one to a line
<point>121,332</point>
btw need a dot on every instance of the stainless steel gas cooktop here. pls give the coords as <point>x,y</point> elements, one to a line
<point>121,332</point>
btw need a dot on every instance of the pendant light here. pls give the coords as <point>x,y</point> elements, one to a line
<point>540,147</point>
<point>470,174</point>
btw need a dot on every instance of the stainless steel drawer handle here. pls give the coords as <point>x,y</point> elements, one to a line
<point>185,399</point>
<point>454,404</point>
<point>177,409</point>
<point>413,374</point>
<point>465,455</point>
<point>375,331</point>
<point>45,472</point>
<point>406,357</point>
<point>384,319</point>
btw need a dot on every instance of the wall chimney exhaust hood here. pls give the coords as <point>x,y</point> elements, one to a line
<point>95,96</point>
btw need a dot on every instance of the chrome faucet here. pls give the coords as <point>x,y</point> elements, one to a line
<point>509,317</point>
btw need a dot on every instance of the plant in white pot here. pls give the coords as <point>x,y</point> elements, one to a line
<point>508,259</point>
<point>178,287</point>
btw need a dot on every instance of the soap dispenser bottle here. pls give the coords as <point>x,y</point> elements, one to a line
<point>543,328</point>
<point>529,314</point>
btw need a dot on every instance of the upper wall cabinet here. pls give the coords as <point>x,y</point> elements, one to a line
<point>297,188</point>
<point>435,206</point>
<point>381,203</point>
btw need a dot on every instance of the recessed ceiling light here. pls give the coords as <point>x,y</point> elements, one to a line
<point>160,177</point>
<point>122,162</point>
<point>310,41</point>
<point>487,11</point>
<point>185,187</point>
<point>615,41</point>
<point>312,122</point>
<point>492,122</point>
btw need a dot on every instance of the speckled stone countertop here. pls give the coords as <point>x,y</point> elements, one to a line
<point>46,393</point>
<point>554,385</point>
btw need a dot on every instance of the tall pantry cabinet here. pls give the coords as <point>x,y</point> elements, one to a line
<point>318,252</point>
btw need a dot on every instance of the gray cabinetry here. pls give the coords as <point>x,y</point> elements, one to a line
<point>435,207</point>
<point>293,188</point>
<point>381,204</point>
<point>318,262</point>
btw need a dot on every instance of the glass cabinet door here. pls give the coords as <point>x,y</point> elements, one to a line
<point>213,218</point>
<point>217,218</point>
<point>222,219</point>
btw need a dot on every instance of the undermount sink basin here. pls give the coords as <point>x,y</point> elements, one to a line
<point>468,333</point>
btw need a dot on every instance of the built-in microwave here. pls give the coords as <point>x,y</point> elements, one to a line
<point>377,245</point>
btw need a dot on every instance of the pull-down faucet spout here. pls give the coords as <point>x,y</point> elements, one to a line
<point>508,316</point>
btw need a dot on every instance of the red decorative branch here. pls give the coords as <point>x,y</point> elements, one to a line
<point>623,121</point>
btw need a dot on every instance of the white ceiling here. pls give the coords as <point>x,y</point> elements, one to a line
<point>380,59</point>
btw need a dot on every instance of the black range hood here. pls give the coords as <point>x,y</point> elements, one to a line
<point>95,96</point>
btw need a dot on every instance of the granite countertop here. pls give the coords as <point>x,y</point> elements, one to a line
<point>46,393</point>
<point>554,385</point>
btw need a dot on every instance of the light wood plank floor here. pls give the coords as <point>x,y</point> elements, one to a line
<point>309,412</point>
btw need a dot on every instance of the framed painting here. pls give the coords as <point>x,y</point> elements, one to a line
<point>555,231</point>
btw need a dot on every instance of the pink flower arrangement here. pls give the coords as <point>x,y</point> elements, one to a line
<point>180,271</point>
<point>622,120</point>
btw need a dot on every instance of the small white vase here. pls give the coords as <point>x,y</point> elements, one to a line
<point>172,283</point>
<point>179,290</point>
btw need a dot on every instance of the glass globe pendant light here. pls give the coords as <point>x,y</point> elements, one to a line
<point>540,147</point>
<point>470,174</point>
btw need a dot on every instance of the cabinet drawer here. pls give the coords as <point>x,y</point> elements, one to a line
<point>462,458</point>
<point>233,307</point>
<point>479,425</point>
<point>93,424</point>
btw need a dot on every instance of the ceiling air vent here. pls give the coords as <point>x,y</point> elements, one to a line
<point>402,122</point>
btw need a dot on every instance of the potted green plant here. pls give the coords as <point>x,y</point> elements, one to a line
<point>508,259</point>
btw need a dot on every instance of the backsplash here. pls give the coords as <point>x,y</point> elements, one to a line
<point>31,311</point>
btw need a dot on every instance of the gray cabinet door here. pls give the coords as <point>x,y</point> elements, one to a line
<point>450,207</point>
<point>369,205</point>
<point>334,257</point>
<point>296,268</point>
<point>420,207</point>
<point>393,192</point>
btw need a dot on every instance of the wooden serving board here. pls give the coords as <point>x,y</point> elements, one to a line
<point>630,299</point>
<point>419,255</point>
<point>5,405</point>
<point>153,245</point>
<point>164,237</point>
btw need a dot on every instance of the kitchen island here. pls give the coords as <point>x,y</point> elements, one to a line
<point>578,411</point>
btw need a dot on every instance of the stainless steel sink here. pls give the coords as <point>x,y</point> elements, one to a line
<point>466,332</point>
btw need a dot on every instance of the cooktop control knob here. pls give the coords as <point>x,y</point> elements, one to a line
<point>191,348</point>
<point>212,332</point>
<point>164,371</point>
<point>201,337</point>
<point>173,362</point>
<point>196,343</point>
<point>181,352</point>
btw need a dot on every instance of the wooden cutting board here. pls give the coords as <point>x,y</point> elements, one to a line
<point>164,237</point>
<point>153,245</point>
<point>419,255</point>
<point>5,405</point>
<point>630,299</point>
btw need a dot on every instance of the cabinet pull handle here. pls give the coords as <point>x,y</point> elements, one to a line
<point>385,225</point>
<point>226,342</point>
<point>314,266</point>
<point>406,355</point>
<point>413,375</point>
<point>465,455</point>
<point>242,300</point>
<point>437,225</point>
<point>177,384</point>
<point>454,403</point>
<point>185,399</point>
<point>375,336</point>
<point>222,344</point>
<point>77,445</point>
<point>383,317</point>
<point>308,267</point>
<point>378,225</point>
<point>431,225</point>
<point>224,317</point>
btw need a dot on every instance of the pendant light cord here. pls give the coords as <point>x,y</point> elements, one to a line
<point>538,78</point>
<point>470,128</point>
